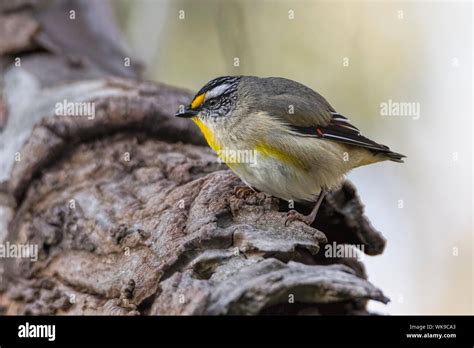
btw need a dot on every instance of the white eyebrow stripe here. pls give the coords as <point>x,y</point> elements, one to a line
<point>216,91</point>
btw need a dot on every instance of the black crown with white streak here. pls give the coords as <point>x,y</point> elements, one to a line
<point>229,82</point>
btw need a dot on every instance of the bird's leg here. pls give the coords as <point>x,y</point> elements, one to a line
<point>307,219</point>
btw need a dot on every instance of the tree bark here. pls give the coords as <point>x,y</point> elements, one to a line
<point>131,211</point>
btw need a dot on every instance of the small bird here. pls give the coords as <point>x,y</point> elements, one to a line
<point>302,147</point>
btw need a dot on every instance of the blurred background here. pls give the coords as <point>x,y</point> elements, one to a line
<point>358,55</point>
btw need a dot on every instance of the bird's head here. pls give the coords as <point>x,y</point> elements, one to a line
<point>213,108</point>
<point>214,102</point>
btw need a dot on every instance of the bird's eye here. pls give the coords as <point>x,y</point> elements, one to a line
<point>212,102</point>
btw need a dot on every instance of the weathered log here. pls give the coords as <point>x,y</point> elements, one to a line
<point>133,214</point>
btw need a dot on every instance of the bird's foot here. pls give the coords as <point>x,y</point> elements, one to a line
<point>293,215</point>
<point>242,191</point>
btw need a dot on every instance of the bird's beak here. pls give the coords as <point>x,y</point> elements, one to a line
<point>187,113</point>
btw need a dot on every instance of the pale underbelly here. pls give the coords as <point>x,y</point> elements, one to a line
<point>282,179</point>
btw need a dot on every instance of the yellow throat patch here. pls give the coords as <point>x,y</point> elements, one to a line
<point>202,127</point>
<point>207,135</point>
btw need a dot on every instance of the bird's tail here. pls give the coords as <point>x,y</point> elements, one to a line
<point>361,156</point>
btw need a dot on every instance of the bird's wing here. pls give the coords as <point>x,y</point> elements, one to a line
<point>291,102</point>
<point>298,110</point>
<point>341,130</point>
<point>307,113</point>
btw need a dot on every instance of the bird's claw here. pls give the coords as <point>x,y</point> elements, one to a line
<point>242,191</point>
